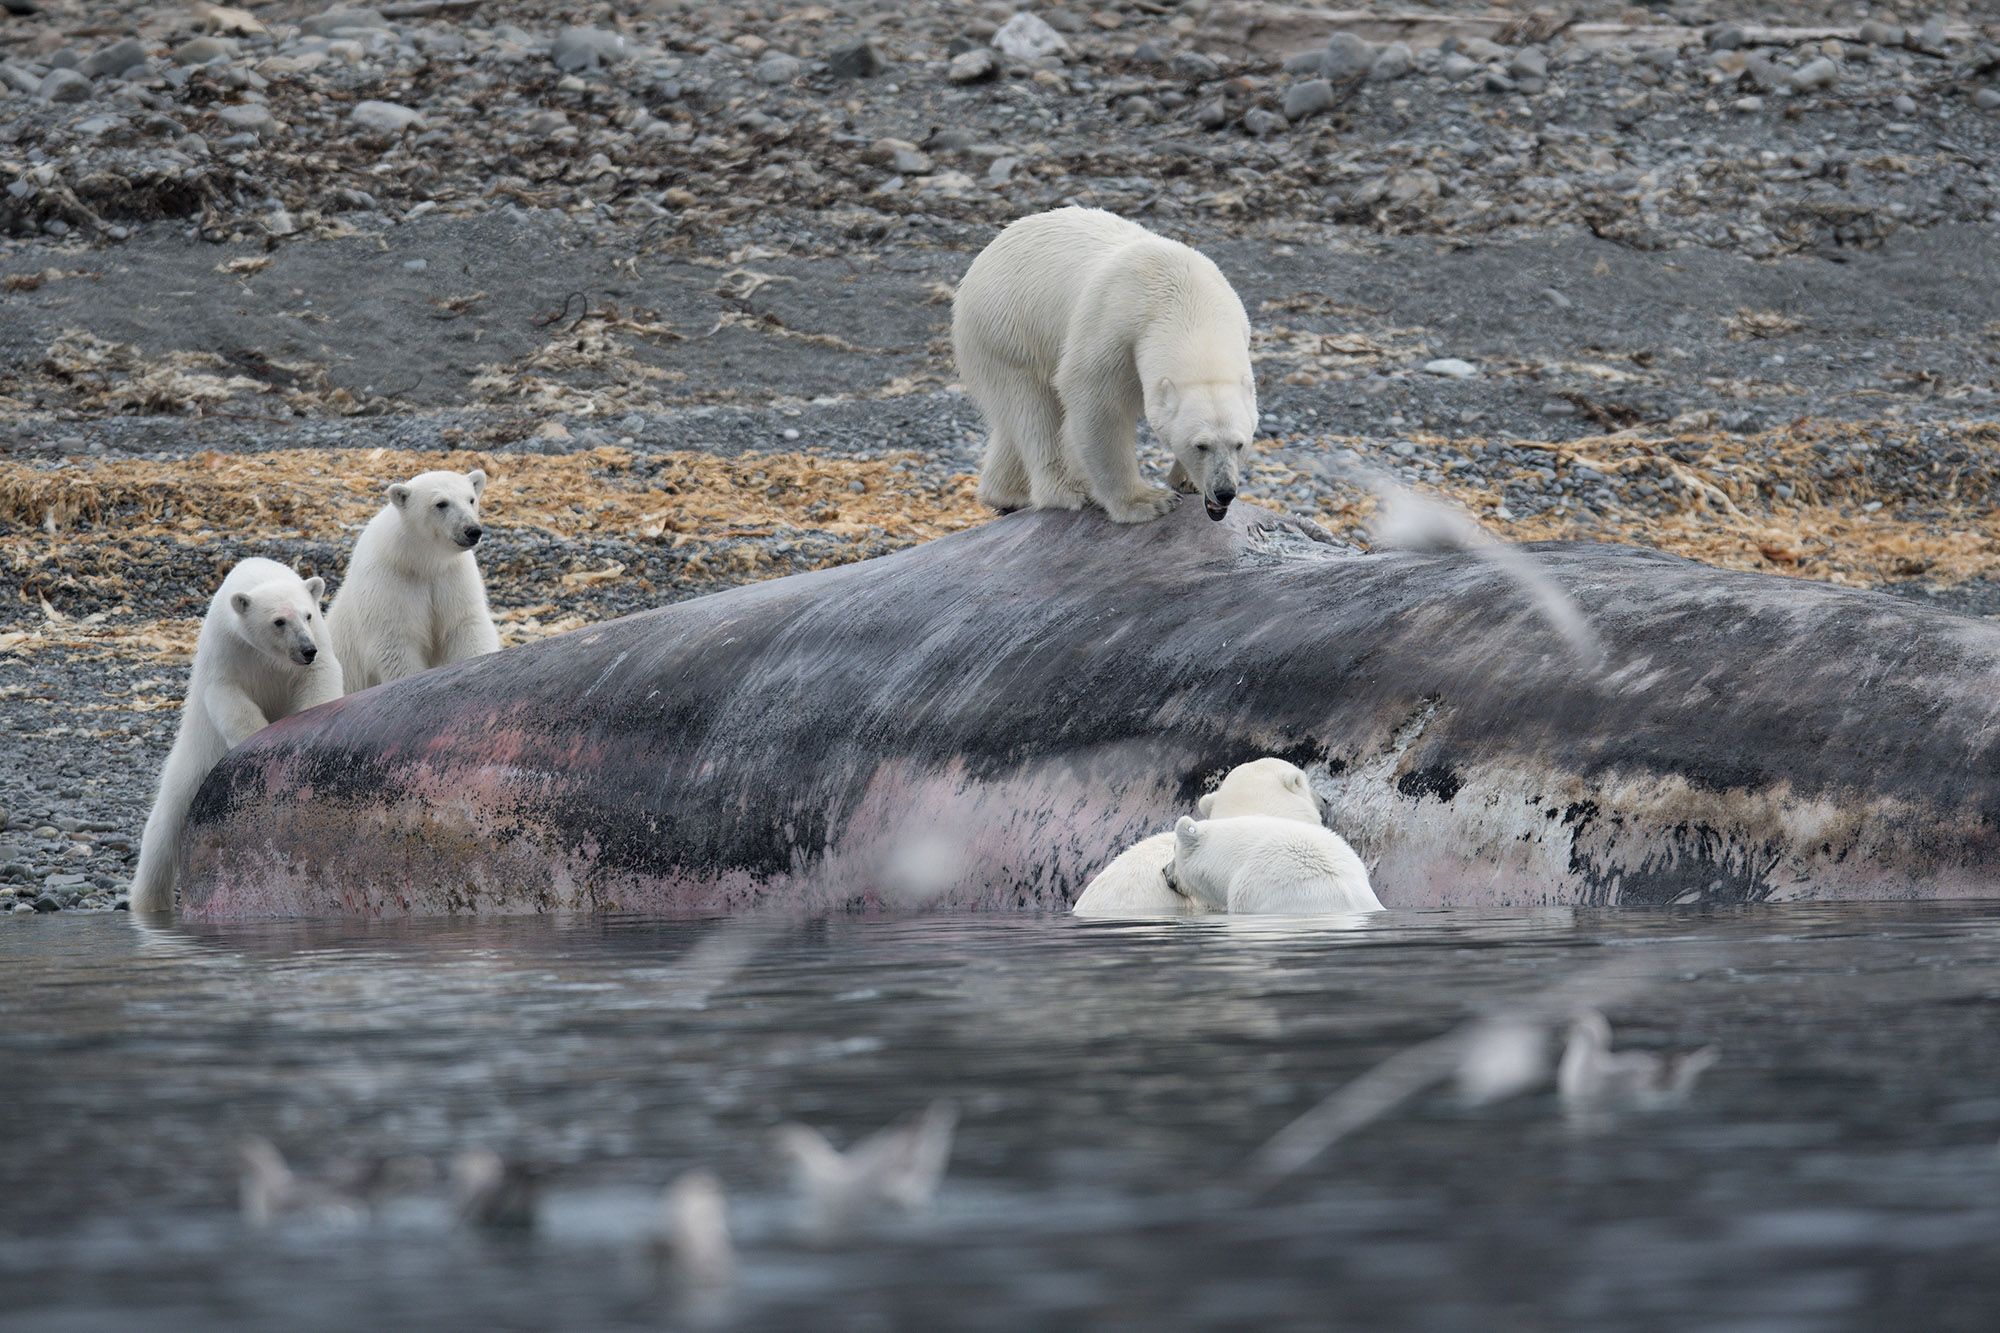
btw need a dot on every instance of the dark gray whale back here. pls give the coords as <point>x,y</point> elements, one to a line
<point>984,720</point>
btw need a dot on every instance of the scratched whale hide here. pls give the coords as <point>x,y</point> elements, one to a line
<point>984,720</point>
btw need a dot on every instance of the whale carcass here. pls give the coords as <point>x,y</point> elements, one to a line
<point>984,720</point>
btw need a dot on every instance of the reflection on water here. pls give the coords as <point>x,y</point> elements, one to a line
<point>1837,1168</point>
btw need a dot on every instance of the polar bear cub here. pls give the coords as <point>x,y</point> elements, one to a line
<point>1253,863</point>
<point>1067,328</point>
<point>1135,883</point>
<point>412,598</point>
<point>262,654</point>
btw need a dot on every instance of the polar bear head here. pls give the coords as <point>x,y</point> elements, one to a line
<point>440,510</point>
<point>1201,868</point>
<point>281,619</point>
<point>1208,426</point>
<point>1267,786</point>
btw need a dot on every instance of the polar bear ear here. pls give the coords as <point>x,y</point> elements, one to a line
<point>241,601</point>
<point>1296,781</point>
<point>478,479</point>
<point>1187,833</point>
<point>314,587</point>
<point>399,494</point>
<point>1205,806</point>
<point>1169,396</point>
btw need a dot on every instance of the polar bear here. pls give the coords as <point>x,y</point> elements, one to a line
<point>263,654</point>
<point>1253,864</point>
<point>1135,883</point>
<point>412,598</point>
<point>1069,326</point>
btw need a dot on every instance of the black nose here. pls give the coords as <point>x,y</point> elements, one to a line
<point>473,534</point>
<point>309,652</point>
<point>1223,497</point>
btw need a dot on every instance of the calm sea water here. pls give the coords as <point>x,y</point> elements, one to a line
<point>1839,1168</point>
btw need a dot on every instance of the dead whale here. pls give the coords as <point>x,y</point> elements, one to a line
<point>984,720</point>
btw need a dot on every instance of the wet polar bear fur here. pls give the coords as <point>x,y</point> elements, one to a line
<point>412,598</point>
<point>1067,328</point>
<point>263,654</point>
<point>1135,881</point>
<point>1256,864</point>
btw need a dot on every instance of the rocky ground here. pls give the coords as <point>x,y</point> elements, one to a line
<point>1718,277</point>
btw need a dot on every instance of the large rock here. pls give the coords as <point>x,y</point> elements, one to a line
<point>990,717</point>
<point>1025,37</point>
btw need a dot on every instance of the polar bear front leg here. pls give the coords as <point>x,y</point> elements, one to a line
<point>234,713</point>
<point>1178,479</point>
<point>1003,477</point>
<point>1101,439</point>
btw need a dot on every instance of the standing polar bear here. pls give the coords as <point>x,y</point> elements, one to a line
<point>412,598</point>
<point>1135,882</point>
<point>259,658</point>
<point>1069,326</point>
<point>1254,863</point>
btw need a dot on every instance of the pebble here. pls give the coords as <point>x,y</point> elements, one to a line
<point>972,66</point>
<point>1818,73</point>
<point>1451,367</point>
<point>1307,99</point>
<point>250,117</point>
<point>64,85</point>
<point>115,59</point>
<point>384,118</point>
<point>1396,61</point>
<point>1260,122</point>
<point>1904,104</point>
<point>1529,63</point>
<point>858,60</point>
<point>1458,66</point>
<point>1877,33</point>
<point>342,21</point>
<point>578,49</point>
<point>1987,99</point>
<point>1027,37</point>
<point>204,50</point>
<point>1347,57</point>
<point>778,68</point>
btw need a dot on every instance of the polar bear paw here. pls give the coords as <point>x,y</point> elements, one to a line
<point>1143,506</point>
<point>1058,497</point>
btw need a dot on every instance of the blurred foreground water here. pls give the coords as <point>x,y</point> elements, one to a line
<point>1839,1167</point>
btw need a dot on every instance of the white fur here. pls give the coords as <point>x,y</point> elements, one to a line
<point>1135,882</point>
<point>1069,326</point>
<point>249,671</point>
<point>412,598</point>
<point>1256,864</point>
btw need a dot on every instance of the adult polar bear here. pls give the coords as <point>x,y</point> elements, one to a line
<point>258,659</point>
<point>1067,327</point>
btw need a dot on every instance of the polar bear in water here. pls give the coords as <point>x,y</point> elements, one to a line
<point>262,655</point>
<point>1069,326</point>
<point>1254,863</point>
<point>1135,883</point>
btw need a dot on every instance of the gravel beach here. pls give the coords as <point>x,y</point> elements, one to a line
<point>1720,278</point>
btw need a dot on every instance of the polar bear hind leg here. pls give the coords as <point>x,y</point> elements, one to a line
<point>1102,403</point>
<point>1027,421</point>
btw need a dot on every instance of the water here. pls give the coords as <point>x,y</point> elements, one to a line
<point>1840,1167</point>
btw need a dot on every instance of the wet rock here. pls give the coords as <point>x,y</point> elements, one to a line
<point>384,118</point>
<point>115,59</point>
<point>1026,37</point>
<point>576,50</point>
<point>858,60</point>
<point>47,902</point>
<point>1347,57</point>
<point>1395,61</point>
<point>64,85</point>
<point>972,66</point>
<point>1307,99</point>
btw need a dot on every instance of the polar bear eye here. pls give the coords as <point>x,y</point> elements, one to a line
<point>1201,448</point>
<point>279,622</point>
<point>444,504</point>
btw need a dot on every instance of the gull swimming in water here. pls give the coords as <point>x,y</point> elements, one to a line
<point>1593,1075</point>
<point>270,1191</point>
<point>895,1168</point>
